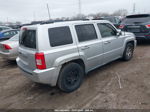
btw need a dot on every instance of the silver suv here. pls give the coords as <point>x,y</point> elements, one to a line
<point>62,53</point>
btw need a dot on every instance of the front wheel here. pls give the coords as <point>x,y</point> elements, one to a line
<point>128,53</point>
<point>71,77</point>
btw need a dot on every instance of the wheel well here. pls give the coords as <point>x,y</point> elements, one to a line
<point>78,61</point>
<point>132,42</point>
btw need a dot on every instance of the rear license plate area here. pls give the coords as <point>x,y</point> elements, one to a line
<point>134,29</point>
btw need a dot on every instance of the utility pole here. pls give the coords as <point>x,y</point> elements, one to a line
<point>80,7</point>
<point>48,11</point>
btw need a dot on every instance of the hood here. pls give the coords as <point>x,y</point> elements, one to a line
<point>128,34</point>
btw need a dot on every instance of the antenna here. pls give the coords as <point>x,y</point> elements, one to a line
<point>48,11</point>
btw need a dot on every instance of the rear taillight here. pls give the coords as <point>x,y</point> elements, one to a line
<point>121,26</point>
<point>147,35</point>
<point>6,47</point>
<point>24,28</point>
<point>40,61</point>
<point>148,26</point>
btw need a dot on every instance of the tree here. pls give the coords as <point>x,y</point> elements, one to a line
<point>18,23</point>
<point>120,12</point>
<point>98,15</point>
<point>79,17</point>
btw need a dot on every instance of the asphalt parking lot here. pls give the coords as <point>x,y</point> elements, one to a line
<point>118,85</point>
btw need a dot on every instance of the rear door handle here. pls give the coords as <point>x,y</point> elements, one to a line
<point>107,42</point>
<point>85,48</point>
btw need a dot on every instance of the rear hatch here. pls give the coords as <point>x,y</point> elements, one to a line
<point>27,48</point>
<point>136,23</point>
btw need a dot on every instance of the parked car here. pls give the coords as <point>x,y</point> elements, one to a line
<point>4,28</point>
<point>62,53</point>
<point>15,26</point>
<point>7,34</point>
<point>9,48</point>
<point>113,19</point>
<point>138,24</point>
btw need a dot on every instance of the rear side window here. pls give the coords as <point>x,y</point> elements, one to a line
<point>28,38</point>
<point>60,36</point>
<point>86,32</point>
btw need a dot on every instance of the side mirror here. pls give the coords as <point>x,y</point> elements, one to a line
<point>119,32</point>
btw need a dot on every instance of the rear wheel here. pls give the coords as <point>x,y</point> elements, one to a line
<point>128,53</point>
<point>71,77</point>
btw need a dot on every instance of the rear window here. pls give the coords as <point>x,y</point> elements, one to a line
<point>15,38</point>
<point>138,16</point>
<point>135,19</point>
<point>60,36</point>
<point>7,34</point>
<point>28,38</point>
<point>3,28</point>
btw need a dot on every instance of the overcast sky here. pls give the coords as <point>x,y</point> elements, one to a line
<point>28,10</point>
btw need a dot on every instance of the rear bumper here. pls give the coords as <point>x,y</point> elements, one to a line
<point>143,37</point>
<point>8,56</point>
<point>139,35</point>
<point>47,76</point>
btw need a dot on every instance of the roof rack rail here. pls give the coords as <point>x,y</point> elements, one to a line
<point>51,21</point>
<point>55,21</point>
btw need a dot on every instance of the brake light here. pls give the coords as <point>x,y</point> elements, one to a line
<point>148,26</point>
<point>147,35</point>
<point>24,28</point>
<point>6,47</point>
<point>40,61</point>
<point>121,26</point>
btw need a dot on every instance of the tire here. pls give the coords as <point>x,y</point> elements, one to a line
<point>128,53</point>
<point>71,77</point>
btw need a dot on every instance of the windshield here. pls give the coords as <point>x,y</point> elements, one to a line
<point>110,19</point>
<point>15,38</point>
